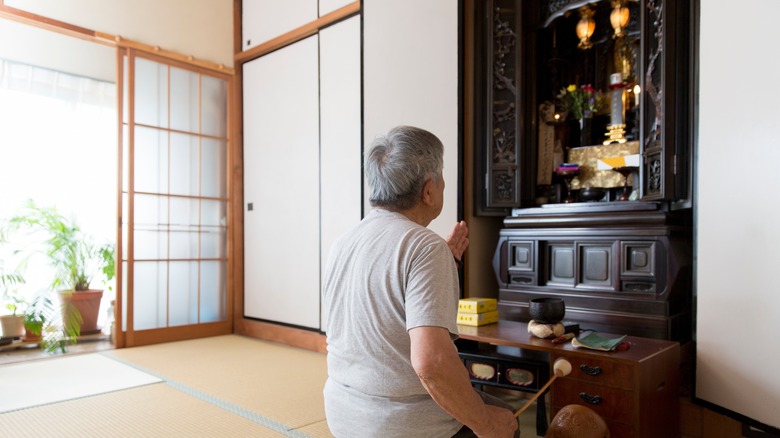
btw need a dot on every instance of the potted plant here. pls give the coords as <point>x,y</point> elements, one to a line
<point>12,325</point>
<point>76,259</point>
<point>34,321</point>
<point>40,318</point>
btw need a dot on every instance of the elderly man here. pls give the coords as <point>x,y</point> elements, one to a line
<point>391,294</point>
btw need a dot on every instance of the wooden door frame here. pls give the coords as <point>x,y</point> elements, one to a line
<point>233,162</point>
<point>274,332</point>
<point>297,337</point>
<point>130,337</point>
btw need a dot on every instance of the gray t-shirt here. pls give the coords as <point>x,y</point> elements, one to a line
<point>384,277</point>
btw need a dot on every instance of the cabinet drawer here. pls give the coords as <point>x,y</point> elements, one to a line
<point>611,403</point>
<point>601,371</point>
<point>518,374</point>
<point>620,430</point>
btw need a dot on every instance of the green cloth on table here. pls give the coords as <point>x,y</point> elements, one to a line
<point>596,342</point>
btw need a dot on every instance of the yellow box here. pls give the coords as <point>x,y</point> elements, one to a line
<point>477,305</point>
<point>478,318</point>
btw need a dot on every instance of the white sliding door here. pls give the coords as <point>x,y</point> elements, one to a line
<point>340,131</point>
<point>411,77</point>
<point>174,267</point>
<point>281,186</point>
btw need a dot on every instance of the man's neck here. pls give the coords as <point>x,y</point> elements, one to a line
<point>416,214</point>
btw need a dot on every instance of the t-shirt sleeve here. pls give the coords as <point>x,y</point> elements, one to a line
<point>432,288</point>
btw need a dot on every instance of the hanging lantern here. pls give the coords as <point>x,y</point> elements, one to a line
<point>585,27</point>
<point>619,17</point>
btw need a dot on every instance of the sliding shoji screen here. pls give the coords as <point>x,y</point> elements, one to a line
<point>174,201</point>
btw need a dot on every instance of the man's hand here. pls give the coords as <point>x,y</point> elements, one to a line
<point>502,423</point>
<point>458,240</point>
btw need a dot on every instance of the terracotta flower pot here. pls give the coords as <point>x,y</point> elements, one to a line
<point>88,305</point>
<point>12,325</point>
<point>30,336</point>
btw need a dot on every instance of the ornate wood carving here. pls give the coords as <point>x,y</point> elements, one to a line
<point>504,155</point>
<point>524,55</point>
<point>653,90</point>
<point>666,144</point>
<point>654,174</point>
<point>497,132</point>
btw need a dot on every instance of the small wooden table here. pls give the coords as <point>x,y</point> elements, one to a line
<point>635,391</point>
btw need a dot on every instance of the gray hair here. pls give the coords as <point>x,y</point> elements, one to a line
<point>398,164</point>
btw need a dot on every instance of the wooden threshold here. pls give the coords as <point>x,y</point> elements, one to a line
<point>293,337</point>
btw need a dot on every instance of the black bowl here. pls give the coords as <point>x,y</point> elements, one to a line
<point>592,193</point>
<point>546,310</point>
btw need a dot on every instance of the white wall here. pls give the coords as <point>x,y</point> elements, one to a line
<point>738,237</point>
<point>201,28</point>
<point>410,76</point>
<point>43,48</point>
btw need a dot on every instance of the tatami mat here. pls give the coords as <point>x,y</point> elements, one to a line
<point>42,382</point>
<point>282,383</point>
<point>317,430</point>
<point>225,386</point>
<point>148,411</point>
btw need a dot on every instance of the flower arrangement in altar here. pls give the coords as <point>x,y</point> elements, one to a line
<point>580,102</point>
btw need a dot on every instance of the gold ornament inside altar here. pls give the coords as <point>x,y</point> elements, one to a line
<point>587,157</point>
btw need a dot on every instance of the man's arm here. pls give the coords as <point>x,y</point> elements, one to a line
<point>443,375</point>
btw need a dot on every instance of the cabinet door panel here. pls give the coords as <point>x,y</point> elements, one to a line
<point>340,205</point>
<point>522,256</point>
<point>596,265</point>
<point>522,267</point>
<point>328,6</point>
<point>281,179</point>
<point>560,264</point>
<point>500,158</point>
<point>264,20</point>
<point>638,259</point>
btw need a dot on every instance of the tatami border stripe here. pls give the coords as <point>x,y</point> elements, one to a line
<point>222,404</point>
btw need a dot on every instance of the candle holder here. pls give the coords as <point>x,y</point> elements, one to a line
<point>568,174</point>
<point>617,127</point>
<point>625,171</point>
<point>615,134</point>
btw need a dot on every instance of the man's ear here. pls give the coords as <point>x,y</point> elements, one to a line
<point>427,192</point>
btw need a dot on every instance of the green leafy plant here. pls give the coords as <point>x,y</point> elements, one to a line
<point>75,256</point>
<point>37,315</point>
<point>41,317</point>
<point>12,302</point>
<point>76,259</point>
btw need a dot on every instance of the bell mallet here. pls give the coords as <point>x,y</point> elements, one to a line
<point>561,368</point>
